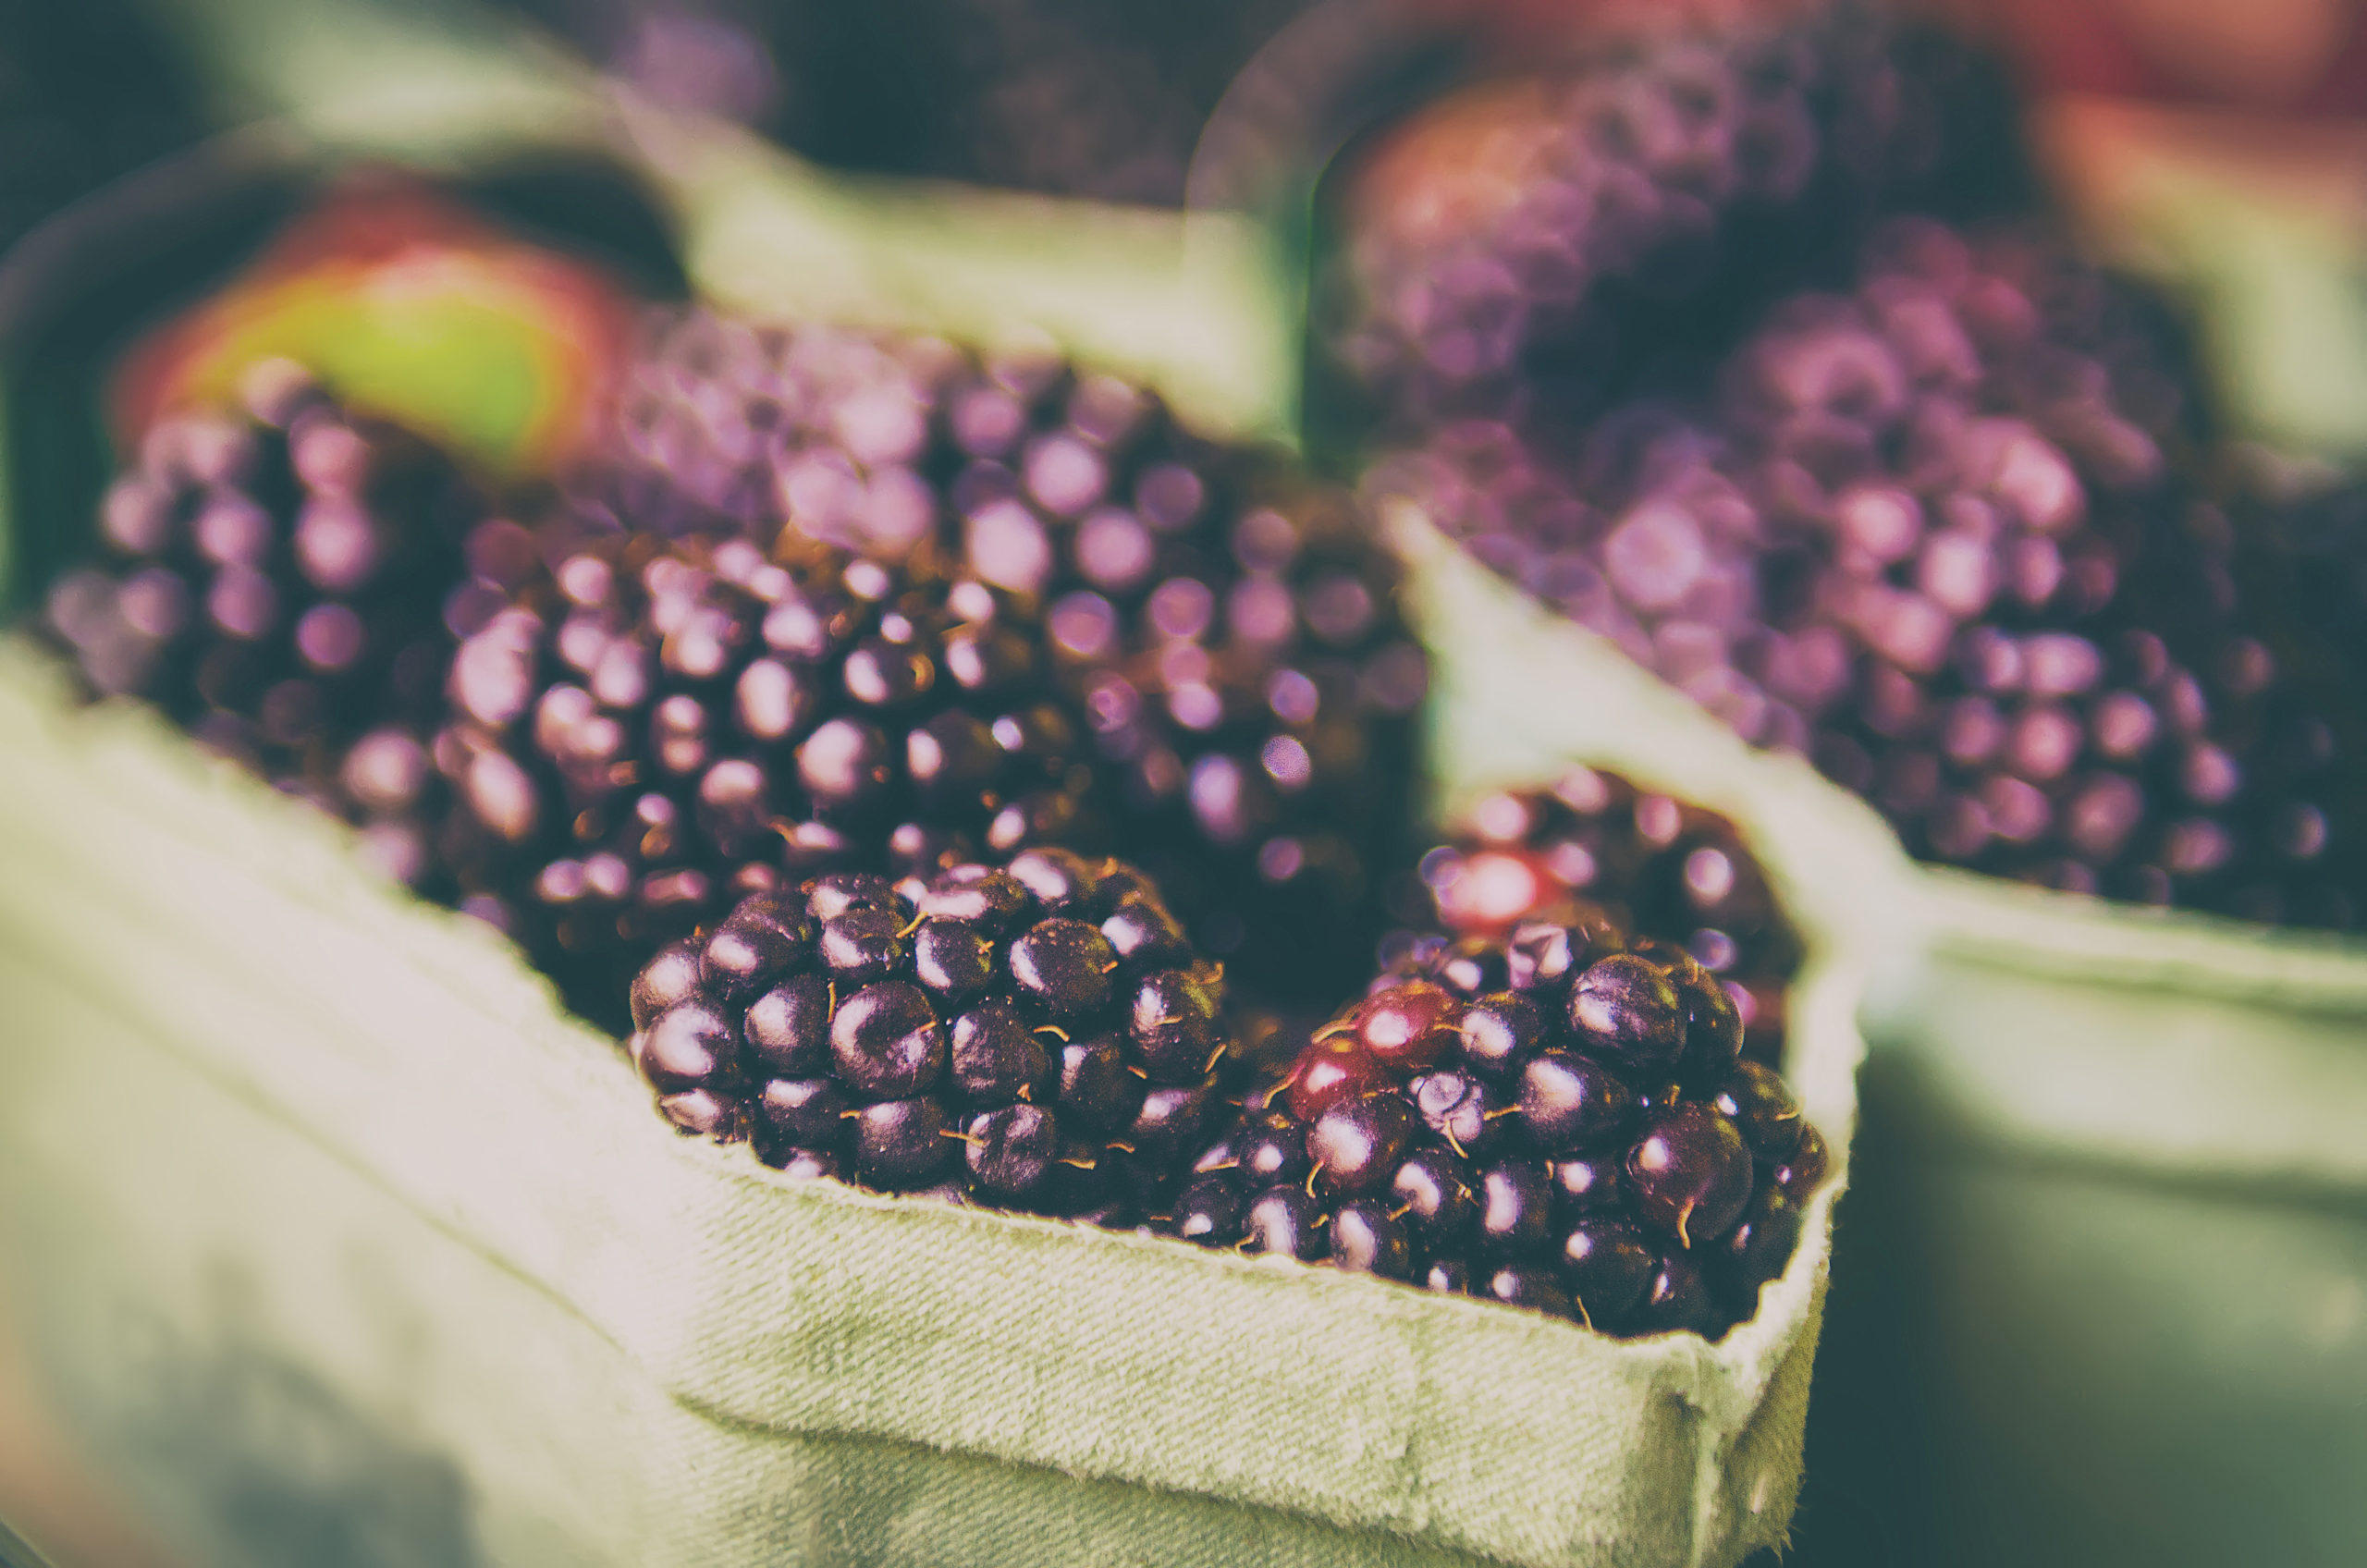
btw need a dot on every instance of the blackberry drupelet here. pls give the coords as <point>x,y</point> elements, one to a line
<point>1596,846</point>
<point>661,726</point>
<point>273,578</point>
<point>1578,1136</point>
<point>1231,628</point>
<point>995,1033</point>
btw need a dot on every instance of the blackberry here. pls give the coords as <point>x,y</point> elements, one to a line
<point>272,578</point>
<point>1944,534</point>
<point>1528,865</point>
<point>1047,1068</point>
<point>1579,1140</point>
<point>660,726</point>
<point>1231,628</point>
<point>1549,244</point>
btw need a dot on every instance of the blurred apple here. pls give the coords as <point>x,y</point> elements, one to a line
<point>408,306</point>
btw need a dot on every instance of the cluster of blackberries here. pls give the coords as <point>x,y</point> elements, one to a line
<point>1595,850</point>
<point>1229,629</point>
<point>1549,244</point>
<point>1037,1036</point>
<point>274,582</point>
<point>1557,1120</point>
<point>1938,534</point>
<point>659,725</point>
<point>814,819</point>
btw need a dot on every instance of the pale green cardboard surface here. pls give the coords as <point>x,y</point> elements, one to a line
<point>689,1296</point>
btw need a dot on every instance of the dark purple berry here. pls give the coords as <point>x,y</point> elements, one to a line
<point>1571,1103</point>
<point>799,1113</point>
<point>1175,1022</point>
<point>1270,1150</point>
<point>1713,1025</point>
<point>952,957</point>
<point>995,1057</point>
<point>1448,1276</point>
<point>1282,1219</point>
<point>1625,1010</point>
<point>1588,1185</point>
<point>688,1047</point>
<point>1677,1300</point>
<point>1515,1208</point>
<point>993,901</point>
<point>1063,967</point>
<point>1755,1250</point>
<point>838,892</point>
<point>1366,1240</point>
<point>1458,1107</point>
<point>1499,1031</point>
<point>1145,936</point>
<point>900,1143</point>
<point>1689,1173</point>
<point>1207,1212</point>
<point>1062,881</point>
<point>672,977</point>
<point>762,938</point>
<point>1094,1087</point>
<point>1521,1285</point>
<point>1170,1119</point>
<point>887,1043</point>
<point>788,1028</point>
<point>1607,1267</point>
<point>862,945</point>
<point>1356,1145</point>
<point>1012,1151</point>
<point>1434,1188</point>
<point>800,1164</point>
<point>1802,1172</point>
<point>1762,1106</point>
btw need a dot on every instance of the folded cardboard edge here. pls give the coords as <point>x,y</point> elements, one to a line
<point>295,854</point>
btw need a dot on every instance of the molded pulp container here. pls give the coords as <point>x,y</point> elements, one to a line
<point>326,1237</point>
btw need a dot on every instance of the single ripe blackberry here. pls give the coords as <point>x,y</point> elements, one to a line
<point>1231,629</point>
<point>659,726</point>
<point>272,578</point>
<point>1551,243</point>
<point>1558,1121</point>
<point>1596,849</point>
<point>1034,1034</point>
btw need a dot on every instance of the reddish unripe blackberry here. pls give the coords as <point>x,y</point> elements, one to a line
<point>274,579</point>
<point>814,1022</point>
<point>1524,1142</point>
<point>1550,875</point>
<point>1230,628</point>
<point>657,727</point>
